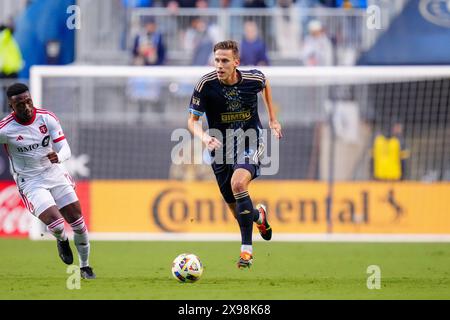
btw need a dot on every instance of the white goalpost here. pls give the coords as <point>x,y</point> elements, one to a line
<point>330,75</point>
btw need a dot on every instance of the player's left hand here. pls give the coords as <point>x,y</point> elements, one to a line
<point>276,128</point>
<point>53,157</point>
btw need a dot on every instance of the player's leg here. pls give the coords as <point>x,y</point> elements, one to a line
<point>72,214</point>
<point>223,174</point>
<point>245,213</point>
<point>40,203</point>
<point>250,161</point>
<point>63,191</point>
<point>259,217</point>
<point>242,176</point>
<point>232,207</point>
<point>67,202</point>
<point>55,225</point>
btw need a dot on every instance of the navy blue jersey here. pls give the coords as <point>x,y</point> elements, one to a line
<point>229,106</point>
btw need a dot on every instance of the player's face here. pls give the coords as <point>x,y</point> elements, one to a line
<point>226,64</point>
<point>22,105</point>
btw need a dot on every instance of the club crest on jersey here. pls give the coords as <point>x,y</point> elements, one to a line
<point>43,129</point>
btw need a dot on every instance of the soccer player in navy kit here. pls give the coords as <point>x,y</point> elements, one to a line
<point>229,99</point>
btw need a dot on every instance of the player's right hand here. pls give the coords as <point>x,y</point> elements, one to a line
<point>211,143</point>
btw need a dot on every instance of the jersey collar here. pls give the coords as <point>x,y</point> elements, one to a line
<point>240,79</point>
<point>28,122</point>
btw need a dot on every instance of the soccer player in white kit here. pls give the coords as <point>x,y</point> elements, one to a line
<point>35,143</point>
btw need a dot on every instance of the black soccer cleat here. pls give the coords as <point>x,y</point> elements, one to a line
<point>87,273</point>
<point>265,230</point>
<point>64,251</point>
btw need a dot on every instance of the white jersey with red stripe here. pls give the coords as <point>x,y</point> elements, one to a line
<point>28,144</point>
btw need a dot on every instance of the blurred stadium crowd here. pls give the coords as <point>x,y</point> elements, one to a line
<point>176,32</point>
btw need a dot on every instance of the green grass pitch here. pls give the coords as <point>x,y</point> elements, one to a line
<point>281,271</point>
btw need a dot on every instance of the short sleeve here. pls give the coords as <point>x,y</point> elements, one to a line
<point>54,128</point>
<point>260,77</point>
<point>197,106</point>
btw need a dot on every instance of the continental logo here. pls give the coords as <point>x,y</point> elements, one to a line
<point>172,209</point>
<point>235,116</point>
<point>294,206</point>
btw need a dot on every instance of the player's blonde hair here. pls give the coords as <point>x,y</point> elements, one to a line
<point>228,45</point>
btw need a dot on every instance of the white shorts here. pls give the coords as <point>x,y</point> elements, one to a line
<point>54,187</point>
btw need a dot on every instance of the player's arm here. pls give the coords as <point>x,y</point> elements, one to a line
<point>62,152</point>
<point>61,147</point>
<point>195,127</point>
<point>196,110</point>
<point>273,122</point>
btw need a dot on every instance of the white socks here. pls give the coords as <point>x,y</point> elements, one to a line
<point>81,239</point>
<point>247,248</point>
<point>56,228</point>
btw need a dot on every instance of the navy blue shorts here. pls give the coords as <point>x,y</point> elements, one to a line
<point>224,172</point>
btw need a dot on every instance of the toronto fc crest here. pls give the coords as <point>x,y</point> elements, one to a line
<point>43,129</point>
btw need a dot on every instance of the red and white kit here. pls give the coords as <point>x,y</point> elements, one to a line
<point>41,184</point>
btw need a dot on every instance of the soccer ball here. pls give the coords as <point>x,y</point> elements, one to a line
<point>187,267</point>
